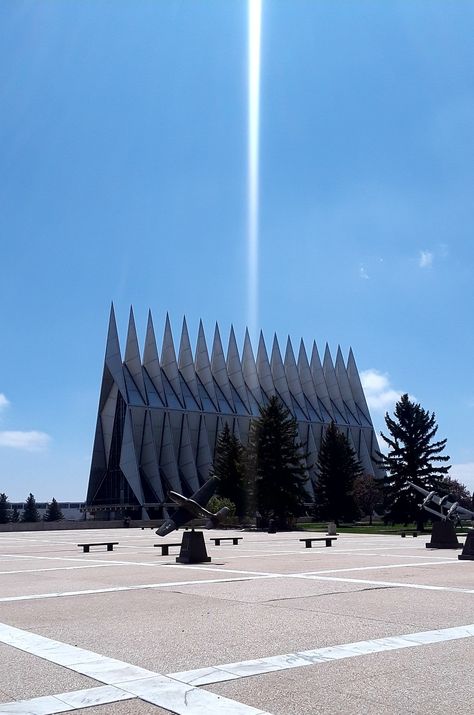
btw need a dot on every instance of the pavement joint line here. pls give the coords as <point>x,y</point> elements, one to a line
<point>137,587</point>
<point>393,584</point>
<point>260,666</point>
<point>378,567</point>
<point>242,576</point>
<point>65,702</point>
<point>161,690</point>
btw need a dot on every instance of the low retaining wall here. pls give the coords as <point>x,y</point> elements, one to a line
<point>75,525</point>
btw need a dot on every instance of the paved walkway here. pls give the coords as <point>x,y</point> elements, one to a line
<point>374,624</point>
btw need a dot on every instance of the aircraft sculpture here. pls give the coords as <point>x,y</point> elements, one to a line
<point>193,508</point>
<point>449,508</point>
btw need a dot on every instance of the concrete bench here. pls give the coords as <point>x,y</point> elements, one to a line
<point>413,533</point>
<point>235,539</point>
<point>109,544</point>
<point>327,539</point>
<point>165,548</point>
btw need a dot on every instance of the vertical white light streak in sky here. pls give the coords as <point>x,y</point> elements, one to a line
<point>254,45</point>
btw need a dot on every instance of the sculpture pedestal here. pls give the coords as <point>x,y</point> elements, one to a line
<point>193,549</point>
<point>468,550</point>
<point>443,536</point>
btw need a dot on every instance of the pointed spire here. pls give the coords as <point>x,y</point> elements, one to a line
<point>202,365</point>
<point>306,379</point>
<point>219,367</point>
<point>292,376</point>
<point>278,374</point>
<point>356,386</point>
<point>263,368</point>
<point>113,359</point>
<point>234,369</point>
<point>186,363</point>
<point>344,386</point>
<point>132,356</point>
<point>249,369</point>
<point>319,381</point>
<point>332,386</point>
<point>168,360</point>
<point>151,361</point>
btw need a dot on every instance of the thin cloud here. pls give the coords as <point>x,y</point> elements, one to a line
<point>379,393</point>
<point>426,259</point>
<point>3,402</point>
<point>31,441</point>
<point>363,273</point>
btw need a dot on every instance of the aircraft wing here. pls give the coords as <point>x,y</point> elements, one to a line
<point>462,511</point>
<point>425,492</point>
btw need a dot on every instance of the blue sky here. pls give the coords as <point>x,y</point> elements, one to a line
<point>123,176</point>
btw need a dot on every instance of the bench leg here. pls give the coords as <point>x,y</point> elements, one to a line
<point>308,544</point>
<point>328,542</point>
<point>235,542</point>
<point>165,550</point>
<point>85,549</point>
<point>110,547</point>
<point>218,542</point>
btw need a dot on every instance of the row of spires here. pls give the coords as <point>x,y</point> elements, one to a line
<point>336,384</point>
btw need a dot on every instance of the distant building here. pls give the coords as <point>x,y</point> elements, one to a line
<point>159,416</point>
<point>72,510</point>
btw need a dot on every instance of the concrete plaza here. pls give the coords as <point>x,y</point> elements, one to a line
<point>374,624</point>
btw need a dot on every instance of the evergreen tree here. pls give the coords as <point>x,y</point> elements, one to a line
<point>30,512</point>
<point>411,457</point>
<point>276,467</point>
<point>15,514</point>
<point>4,509</point>
<point>338,467</point>
<point>53,512</point>
<point>229,467</point>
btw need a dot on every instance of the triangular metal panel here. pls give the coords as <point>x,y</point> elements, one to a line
<point>264,371</point>
<point>98,464</point>
<point>128,460</point>
<point>134,395</point>
<point>344,386</point>
<point>194,421</point>
<point>113,358</point>
<point>138,423</point>
<point>292,376</point>
<point>306,379</point>
<point>219,367</point>
<point>278,374</point>
<point>132,356</point>
<point>234,369</point>
<point>151,361</point>
<point>202,365</point>
<point>319,381</point>
<point>187,464</point>
<point>203,458</point>
<point>149,459</point>
<point>356,386</point>
<point>362,451</point>
<point>153,398</point>
<point>168,463</point>
<point>244,427</point>
<point>332,384</point>
<point>249,369</point>
<point>186,363</point>
<point>168,360</point>
<point>107,417</point>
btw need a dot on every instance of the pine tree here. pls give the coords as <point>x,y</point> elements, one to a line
<point>30,512</point>
<point>276,467</point>
<point>4,509</point>
<point>15,514</point>
<point>337,467</point>
<point>53,512</point>
<point>229,467</point>
<point>411,457</point>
